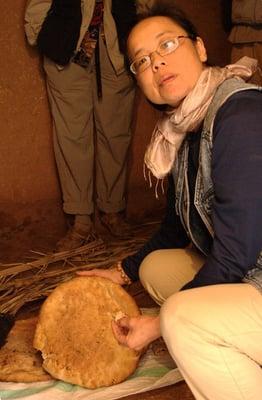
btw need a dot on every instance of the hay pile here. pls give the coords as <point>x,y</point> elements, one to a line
<point>23,283</point>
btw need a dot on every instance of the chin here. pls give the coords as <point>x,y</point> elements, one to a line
<point>159,106</point>
<point>157,100</point>
<point>174,97</point>
<point>175,102</point>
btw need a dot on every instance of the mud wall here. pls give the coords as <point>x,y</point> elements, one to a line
<point>29,186</point>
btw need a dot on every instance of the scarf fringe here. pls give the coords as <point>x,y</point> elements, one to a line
<point>149,175</point>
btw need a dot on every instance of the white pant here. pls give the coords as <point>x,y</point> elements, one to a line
<point>214,334</point>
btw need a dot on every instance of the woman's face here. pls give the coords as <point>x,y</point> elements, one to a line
<point>169,78</point>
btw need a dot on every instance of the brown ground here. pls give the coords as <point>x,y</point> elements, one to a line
<point>16,246</point>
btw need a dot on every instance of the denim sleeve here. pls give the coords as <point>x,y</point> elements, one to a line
<point>237,178</point>
<point>171,234</point>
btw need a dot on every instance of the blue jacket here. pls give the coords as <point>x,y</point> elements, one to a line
<point>226,188</point>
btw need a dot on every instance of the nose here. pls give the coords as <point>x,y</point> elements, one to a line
<point>157,61</point>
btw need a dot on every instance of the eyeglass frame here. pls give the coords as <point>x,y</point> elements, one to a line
<point>148,56</point>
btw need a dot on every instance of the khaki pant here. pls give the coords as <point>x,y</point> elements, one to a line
<point>213,333</point>
<point>91,137</point>
<point>164,272</point>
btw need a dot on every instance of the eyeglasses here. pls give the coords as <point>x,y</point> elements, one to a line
<point>166,47</point>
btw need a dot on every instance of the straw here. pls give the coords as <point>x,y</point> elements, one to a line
<point>21,283</point>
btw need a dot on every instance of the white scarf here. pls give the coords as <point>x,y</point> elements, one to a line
<point>172,128</point>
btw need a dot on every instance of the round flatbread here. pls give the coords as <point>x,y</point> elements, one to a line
<point>75,336</point>
<point>19,361</point>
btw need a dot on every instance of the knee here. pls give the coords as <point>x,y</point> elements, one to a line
<point>172,316</point>
<point>149,269</point>
<point>178,317</point>
<point>187,315</point>
<point>149,277</point>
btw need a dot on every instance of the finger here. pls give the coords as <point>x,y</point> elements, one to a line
<point>124,323</point>
<point>119,333</point>
<point>92,272</point>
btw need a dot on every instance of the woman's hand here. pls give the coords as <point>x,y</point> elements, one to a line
<point>112,274</point>
<point>137,332</point>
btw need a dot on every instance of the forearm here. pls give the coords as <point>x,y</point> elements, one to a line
<point>165,238</point>
<point>170,235</point>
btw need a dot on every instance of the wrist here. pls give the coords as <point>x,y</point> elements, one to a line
<point>156,327</point>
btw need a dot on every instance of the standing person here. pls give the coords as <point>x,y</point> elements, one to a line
<point>246,32</point>
<point>91,97</point>
<point>204,266</point>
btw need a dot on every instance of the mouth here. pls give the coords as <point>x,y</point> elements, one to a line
<point>166,79</point>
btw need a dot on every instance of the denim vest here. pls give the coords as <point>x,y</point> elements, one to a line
<point>204,191</point>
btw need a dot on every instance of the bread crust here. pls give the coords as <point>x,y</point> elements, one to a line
<point>75,337</point>
<point>19,361</point>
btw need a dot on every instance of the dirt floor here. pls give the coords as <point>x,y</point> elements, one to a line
<point>16,245</point>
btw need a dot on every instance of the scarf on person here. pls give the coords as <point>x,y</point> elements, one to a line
<point>172,128</point>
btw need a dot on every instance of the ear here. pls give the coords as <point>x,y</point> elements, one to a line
<point>201,50</point>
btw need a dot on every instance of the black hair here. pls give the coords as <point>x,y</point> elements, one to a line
<point>162,8</point>
<point>168,8</point>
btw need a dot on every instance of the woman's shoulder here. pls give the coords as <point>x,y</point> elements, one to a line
<point>241,111</point>
<point>241,103</point>
<point>224,94</point>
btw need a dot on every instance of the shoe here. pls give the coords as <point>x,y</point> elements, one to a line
<point>76,238</point>
<point>115,224</point>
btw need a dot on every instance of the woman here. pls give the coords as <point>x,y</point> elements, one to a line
<point>210,143</point>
